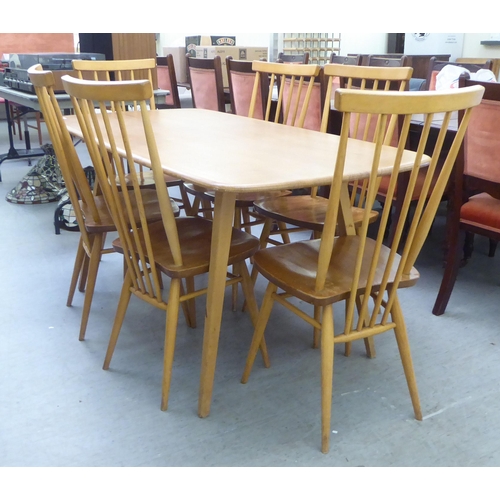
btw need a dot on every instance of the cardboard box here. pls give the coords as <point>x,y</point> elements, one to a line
<point>179,55</point>
<point>237,52</point>
<point>195,40</point>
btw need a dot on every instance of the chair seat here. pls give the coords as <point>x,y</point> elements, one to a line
<point>384,184</point>
<point>305,211</point>
<point>106,224</point>
<point>482,210</point>
<point>293,268</point>
<point>195,237</point>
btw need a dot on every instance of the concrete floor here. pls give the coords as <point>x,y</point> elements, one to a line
<point>59,408</point>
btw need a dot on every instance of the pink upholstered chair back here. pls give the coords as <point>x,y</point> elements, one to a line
<point>204,89</point>
<point>165,83</point>
<point>313,115</point>
<point>482,142</point>
<point>242,87</point>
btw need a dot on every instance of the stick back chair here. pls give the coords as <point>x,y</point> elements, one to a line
<point>474,199</point>
<point>132,69</point>
<point>300,107</point>
<point>178,248</point>
<point>91,212</point>
<point>354,268</point>
<point>308,211</point>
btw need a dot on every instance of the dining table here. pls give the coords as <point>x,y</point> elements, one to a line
<point>232,154</point>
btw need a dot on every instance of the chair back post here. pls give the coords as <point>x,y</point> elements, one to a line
<point>101,128</point>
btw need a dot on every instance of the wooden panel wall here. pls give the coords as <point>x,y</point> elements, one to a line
<point>20,43</point>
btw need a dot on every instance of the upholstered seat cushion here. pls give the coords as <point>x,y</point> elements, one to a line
<point>482,210</point>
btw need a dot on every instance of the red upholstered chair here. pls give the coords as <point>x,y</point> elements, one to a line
<point>241,80</point>
<point>167,80</point>
<point>205,80</point>
<point>436,66</point>
<point>474,204</point>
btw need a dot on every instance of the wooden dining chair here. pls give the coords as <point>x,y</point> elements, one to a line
<point>206,83</point>
<point>91,212</point>
<point>178,248</point>
<point>352,267</point>
<point>308,211</point>
<point>293,58</point>
<point>133,69</point>
<point>435,66</point>
<point>167,80</point>
<point>474,194</point>
<point>241,78</point>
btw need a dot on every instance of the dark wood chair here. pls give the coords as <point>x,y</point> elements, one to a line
<point>474,197</point>
<point>206,83</point>
<point>436,66</point>
<point>241,79</point>
<point>167,80</point>
<point>293,58</point>
<point>387,62</point>
<point>350,60</point>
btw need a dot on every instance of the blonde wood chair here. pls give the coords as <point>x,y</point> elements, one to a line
<point>308,211</point>
<point>178,248</point>
<point>352,267</point>
<point>93,217</point>
<point>131,69</point>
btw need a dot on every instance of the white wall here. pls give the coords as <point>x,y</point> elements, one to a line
<point>473,47</point>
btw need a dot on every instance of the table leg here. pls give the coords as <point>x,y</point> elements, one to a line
<point>221,239</point>
<point>13,153</point>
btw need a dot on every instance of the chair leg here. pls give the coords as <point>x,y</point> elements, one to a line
<point>317,331</point>
<point>449,277</point>
<point>95,257</point>
<point>404,352</point>
<point>327,358</point>
<point>265,312</point>
<point>83,274</point>
<point>191,304</point>
<point>248,293</point>
<point>170,334</point>
<point>119,316</point>
<point>80,256</point>
<point>493,247</point>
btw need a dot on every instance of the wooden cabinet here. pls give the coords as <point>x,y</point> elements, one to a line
<point>121,46</point>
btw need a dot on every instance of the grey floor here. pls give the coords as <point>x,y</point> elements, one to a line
<point>59,408</point>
